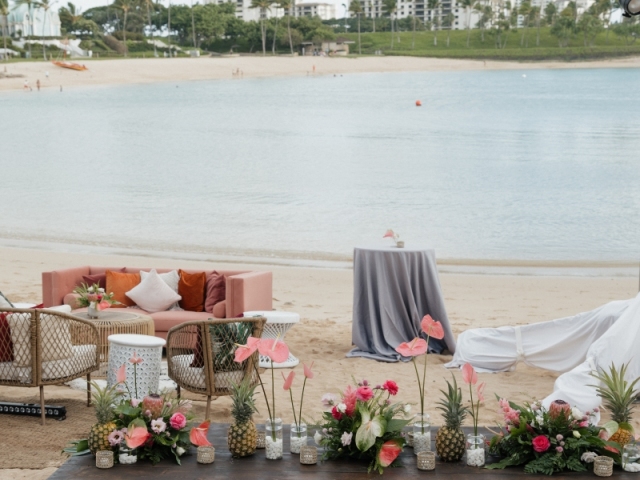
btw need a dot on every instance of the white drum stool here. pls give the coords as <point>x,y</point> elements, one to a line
<point>146,374</point>
<point>278,323</point>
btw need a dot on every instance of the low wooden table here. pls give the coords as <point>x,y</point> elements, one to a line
<point>114,321</point>
<point>289,468</point>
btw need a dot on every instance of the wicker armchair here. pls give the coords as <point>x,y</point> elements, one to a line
<point>46,347</point>
<point>200,355</point>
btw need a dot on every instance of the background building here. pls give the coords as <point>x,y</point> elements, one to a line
<point>21,20</point>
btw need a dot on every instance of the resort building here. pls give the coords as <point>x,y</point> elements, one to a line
<point>34,22</point>
<point>246,13</point>
<point>326,11</point>
<point>419,9</point>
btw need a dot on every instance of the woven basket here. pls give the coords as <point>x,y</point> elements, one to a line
<point>603,466</point>
<point>104,459</point>
<point>206,454</point>
<point>308,455</point>
<point>426,461</point>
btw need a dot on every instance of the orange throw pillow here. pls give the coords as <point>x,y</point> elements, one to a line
<point>191,289</point>
<point>120,284</point>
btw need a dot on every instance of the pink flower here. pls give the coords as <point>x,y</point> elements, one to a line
<point>335,413</point>
<point>541,443</point>
<point>584,424</point>
<point>559,437</point>
<point>416,347</point>
<point>103,305</point>
<point>480,391</point>
<point>158,425</point>
<point>245,351</point>
<point>349,399</point>
<point>198,435</point>
<point>504,403</point>
<point>307,370</point>
<point>364,394</point>
<point>432,327</point>
<point>388,233</point>
<point>115,438</point>
<point>390,386</point>
<point>92,297</point>
<point>273,348</point>
<point>137,436</point>
<point>469,375</point>
<point>559,449</point>
<point>512,415</point>
<point>178,421</point>
<point>136,360</point>
<point>121,374</point>
<point>559,407</point>
<point>288,380</point>
<point>135,402</point>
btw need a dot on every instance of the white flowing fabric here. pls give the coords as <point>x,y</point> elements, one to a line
<point>558,345</point>
<point>619,345</point>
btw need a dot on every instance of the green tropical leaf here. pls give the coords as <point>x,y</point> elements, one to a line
<point>396,425</point>
<point>370,429</point>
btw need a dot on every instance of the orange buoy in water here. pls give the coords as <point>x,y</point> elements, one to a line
<point>418,103</point>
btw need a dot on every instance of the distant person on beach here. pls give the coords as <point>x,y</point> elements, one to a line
<point>46,74</point>
<point>26,85</point>
<point>38,84</point>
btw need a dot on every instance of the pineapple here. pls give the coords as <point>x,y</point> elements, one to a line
<point>450,441</point>
<point>618,395</point>
<point>103,400</point>
<point>242,436</point>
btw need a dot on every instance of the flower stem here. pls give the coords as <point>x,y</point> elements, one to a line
<point>264,392</point>
<point>304,384</point>
<point>273,398</point>
<point>135,377</point>
<point>424,376</point>
<point>295,422</point>
<point>473,412</point>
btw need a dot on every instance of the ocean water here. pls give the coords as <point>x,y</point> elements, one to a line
<point>495,165</point>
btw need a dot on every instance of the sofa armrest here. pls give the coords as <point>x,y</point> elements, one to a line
<point>71,299</point>
<point>56,284</point>
<point>249,291</point>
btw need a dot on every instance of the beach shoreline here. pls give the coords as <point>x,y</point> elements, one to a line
<point>158,70</point>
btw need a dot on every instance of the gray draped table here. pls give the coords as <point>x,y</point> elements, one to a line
<point>393,289</point>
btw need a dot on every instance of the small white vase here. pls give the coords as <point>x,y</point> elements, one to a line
<point>92,311</point>
<point>475,450</point>
<point>273,438</point>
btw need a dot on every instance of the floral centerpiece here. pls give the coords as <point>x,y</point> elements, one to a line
<point>548,441</point>
<point>364,424</point>
<point>94,298</point>
<point>393,236</point>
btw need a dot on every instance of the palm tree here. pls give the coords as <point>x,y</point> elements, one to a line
<point>29,4</point>
<point>275,30</point>
<point>525,11</point>
<point>390,6</point>
<point>4,12</point>
<point>125,6</point>
<point>467,4</point>
<point>356,9</point>
<point>193,26</point>
<point>287,5</point>
<point>149,4</point>
<point>434,5</point>
<point>169,27</point>
<point>447,21</point>
<point>45,5</point>
<point>264,6</point>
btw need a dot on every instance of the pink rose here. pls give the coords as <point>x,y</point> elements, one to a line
<point>391,387</point>
<point>364,394</point>
<point>541,443</point>
<point>178,421</point>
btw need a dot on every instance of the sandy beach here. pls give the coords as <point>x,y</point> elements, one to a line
<point>323,298</point>
<point>151,70</point>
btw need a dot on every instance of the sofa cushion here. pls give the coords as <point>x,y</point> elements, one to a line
<point>216,290</point>
<point>163,321</point>
<point>220,309</point>
<point>191,289</point>
<point>120,284</point>
<point>171,279</point>
<point>153,294</point>
<point>99,278</point>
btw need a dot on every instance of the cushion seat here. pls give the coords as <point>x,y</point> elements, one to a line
<point>164,321</point>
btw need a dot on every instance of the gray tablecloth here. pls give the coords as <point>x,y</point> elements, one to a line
<point>394,288</point>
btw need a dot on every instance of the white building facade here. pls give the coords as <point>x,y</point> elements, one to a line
<point>36,22</point>
<point>420,9</point>
<point>326,11</point>
<point>248,14</point>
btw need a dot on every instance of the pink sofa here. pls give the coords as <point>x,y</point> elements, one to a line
<point>245,291</point>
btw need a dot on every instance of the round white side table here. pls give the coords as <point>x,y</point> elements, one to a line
<point>144,375</point>
<point>278,323</point>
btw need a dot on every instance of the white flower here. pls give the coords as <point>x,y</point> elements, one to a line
<point>342,407</point>
<point>407,409</point>
<point>158,425</point>
<point>346,439</point>
<point>588,457</point>
<point>329,400</point>
<point>539,420</point>
<point>317,437</point>
<point>101,290</point>
<point>576,413</point>
<point>180,451</point>
<point>576,434</point>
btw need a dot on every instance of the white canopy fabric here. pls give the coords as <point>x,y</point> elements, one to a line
<point>617,346</point>
<point>558,345</point>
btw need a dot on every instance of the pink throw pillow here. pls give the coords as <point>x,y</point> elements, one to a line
<point>216,291</point>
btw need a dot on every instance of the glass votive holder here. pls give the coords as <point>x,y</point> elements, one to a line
<point>260,441</point>
<point>630,455</point>
<point>426,460</point>
<point>104,459</point>
<point>603,466</point>
<point>206,454</point>
<point>308,455</point>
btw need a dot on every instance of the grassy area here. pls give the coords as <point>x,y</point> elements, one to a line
<point>518,45</point>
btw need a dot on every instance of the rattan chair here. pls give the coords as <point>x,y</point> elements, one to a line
<point>41,347</point>
<point>200,355</point>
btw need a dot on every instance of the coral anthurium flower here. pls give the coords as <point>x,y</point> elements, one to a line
<point>480,391</point>
<point>389,452</point>
<point>288,380</point>
<point>136,436</point>
<point>245,351</point>
<point>136,360</point>
<point>273,348</point>
<point>103,305</point>
<point>198,435</point>
<point>121,374</point>
<point>307,370</point>
<point>388,233</point>
<point>469,374</point>
<point>416,347</point>
<point>432,327</point>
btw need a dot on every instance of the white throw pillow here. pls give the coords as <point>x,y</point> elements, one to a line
<point>153,294</point>
<point>171,278</point>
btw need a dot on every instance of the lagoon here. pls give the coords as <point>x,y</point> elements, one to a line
<point>495,165</point>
